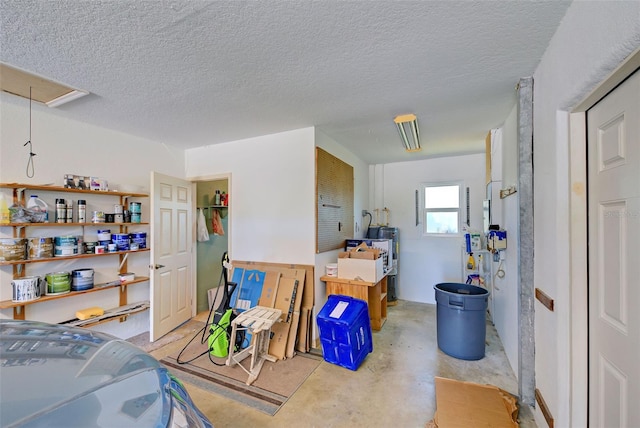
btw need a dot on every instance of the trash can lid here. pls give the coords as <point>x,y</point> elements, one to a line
<point>461,288</point>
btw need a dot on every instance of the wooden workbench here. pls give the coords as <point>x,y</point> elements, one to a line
<point>374,293</point>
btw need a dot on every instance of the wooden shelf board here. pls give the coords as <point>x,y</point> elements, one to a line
<point>70,224</point>
<point>77,256</point>
<point>70,190</point>
<point>6,304</point>
<point>122,318</point>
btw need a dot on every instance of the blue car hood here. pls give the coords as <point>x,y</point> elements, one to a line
<point>52,375</point>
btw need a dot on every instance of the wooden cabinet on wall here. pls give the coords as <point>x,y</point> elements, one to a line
<point>21,267</point>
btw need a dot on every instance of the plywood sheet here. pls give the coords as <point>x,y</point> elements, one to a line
<point>334,201</point>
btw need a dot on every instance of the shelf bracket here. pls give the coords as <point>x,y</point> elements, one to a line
<point>18,313</point>
<point>124,260</point>
<point>18,195</point>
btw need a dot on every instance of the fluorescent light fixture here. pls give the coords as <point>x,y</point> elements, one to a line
<point>409,133</point>
<point>70,96</point>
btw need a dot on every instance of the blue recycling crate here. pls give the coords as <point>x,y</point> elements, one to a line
<point>345,331</point>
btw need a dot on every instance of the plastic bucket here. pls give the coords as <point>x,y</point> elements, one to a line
<point>331,269</point>
<point>461,320</point>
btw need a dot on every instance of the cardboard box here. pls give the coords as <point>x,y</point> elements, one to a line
<point>285,297</point>
<point>361,270</point>
<point>279,338</point>
<point>467,404</point>
<point>269,289</point>
<point>295,339</point>
<point>385,245</point>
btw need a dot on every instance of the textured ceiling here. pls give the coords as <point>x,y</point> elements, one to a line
<point>193,73</point>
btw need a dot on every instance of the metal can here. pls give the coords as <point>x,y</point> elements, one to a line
<point>135,207</point>
<point>82,211</point>
<point>70,211</point>
<point>61,211</point>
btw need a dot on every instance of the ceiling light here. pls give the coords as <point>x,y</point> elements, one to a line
<point>409,133</point>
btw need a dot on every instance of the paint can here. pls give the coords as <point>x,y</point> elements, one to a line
<point>135,209</point>
<point>39,248</point>
<point>81,279</point>
<point>104,235</point>
<point>121,240</point>
<point>90,247</point>
<point>118,209</point>
<point>65,246</point>
<point>26,289</point>
<point>58,283</point>
<point>118,218</point>
<point>139,238</point>
<point>12,249</point>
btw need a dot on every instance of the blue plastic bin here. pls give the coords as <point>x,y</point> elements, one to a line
<point>345,331</point>
<point>461,319</point>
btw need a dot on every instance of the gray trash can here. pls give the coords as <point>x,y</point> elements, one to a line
<point>461,319</point>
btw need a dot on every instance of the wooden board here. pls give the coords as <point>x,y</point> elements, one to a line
<point>297,339</point>
<point>334,202</point>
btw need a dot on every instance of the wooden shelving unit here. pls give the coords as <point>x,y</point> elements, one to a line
<point>374,293</point>
<point>20,266</point>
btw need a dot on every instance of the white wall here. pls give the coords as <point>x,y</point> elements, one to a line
<point>66,146</point>
<point>593,38</point>
<point>426,261</point>
<point>272,193</point>
<point>505,290</point>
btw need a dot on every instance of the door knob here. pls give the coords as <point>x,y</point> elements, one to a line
<point>159,266</point>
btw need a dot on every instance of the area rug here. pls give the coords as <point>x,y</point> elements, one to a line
<point>186,329</point>
<point>276,383</point>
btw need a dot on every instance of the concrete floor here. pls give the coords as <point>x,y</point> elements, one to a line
<point>392,388</point>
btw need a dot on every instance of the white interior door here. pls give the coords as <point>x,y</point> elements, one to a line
<point>614,257</point>
<point>172,283</point>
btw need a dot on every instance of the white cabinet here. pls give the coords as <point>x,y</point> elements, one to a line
<point>20,268</point>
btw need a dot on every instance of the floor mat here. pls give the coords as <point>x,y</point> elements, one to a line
<point>186,329</point>
<point>276,383</point>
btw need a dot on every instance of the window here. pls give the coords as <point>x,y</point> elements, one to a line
<point>442,209</point>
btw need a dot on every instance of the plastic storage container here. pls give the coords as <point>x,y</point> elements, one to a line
<point>39,209</point>
<point>461,319</point>
<point>345,331</point>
